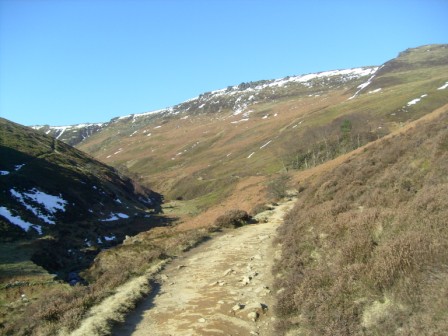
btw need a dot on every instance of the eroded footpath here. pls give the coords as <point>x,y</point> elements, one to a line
<point>223,287</point>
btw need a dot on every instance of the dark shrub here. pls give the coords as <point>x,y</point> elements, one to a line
<point>233,219</point>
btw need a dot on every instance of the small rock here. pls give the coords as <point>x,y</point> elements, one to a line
<point>202,320</point>
<point>181,266</point>
<point>256,306</point>
<point>237,307</point>
<point>257,256</point>
<point>263,237</point>
<point>253,316</point>
<point>221,302</point>
<point>281,290</point>
<point>227,272</point>
<point>246,280</point>
<point>164,277</point>
<point>221,283</point>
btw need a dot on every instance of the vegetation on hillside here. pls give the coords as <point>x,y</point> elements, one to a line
<point>62,308</point>
<point>201,153</point>
<point>36,170</point>
<point>364,251</point>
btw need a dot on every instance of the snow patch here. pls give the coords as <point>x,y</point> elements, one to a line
<point>267,143</point>
<point>16,220</point>
<point>109,238</point>
<point>135,116</point>
<point>416,100</point>
<point>304,79</point>
<point>374,91</point>
<point>443,87</point>
<point>51,204</point>
<point>18,167</point>
<point>250,155</point>
<point>62,131</point>
<point>364,85</point>
<point>4,172</point>
<point>114,217</point>
<point>238,121</point>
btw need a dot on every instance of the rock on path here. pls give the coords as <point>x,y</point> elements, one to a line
<point>223,287</point>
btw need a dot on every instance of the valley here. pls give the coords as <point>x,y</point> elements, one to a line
<point>132,210</point>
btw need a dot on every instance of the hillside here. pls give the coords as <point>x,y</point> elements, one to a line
<point>199,150</point>
<point>364,251</point>
<point>60,208</point>
<point>49,189</point>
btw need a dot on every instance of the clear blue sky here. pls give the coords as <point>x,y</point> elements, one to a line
<point>74,61</point>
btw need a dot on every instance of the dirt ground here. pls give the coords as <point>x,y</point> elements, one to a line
<point>222,287</point>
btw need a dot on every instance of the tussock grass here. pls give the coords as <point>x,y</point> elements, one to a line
<point>365,248</point>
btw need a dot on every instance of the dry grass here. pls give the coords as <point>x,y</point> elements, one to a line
<point>118,279</point>
<point>365,248</point>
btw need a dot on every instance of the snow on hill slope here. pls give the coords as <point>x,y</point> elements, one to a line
<point>237,98</point>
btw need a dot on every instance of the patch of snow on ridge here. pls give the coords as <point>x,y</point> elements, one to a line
<point>443,87</point>
<point>364,85</point>
<point>139,115</point>
<point>348,73</point>
<point>4,172</point>
<point>375,91</point>
<point>62,132</point>
<point>60,128</point>
<point>250,155</point>
<point>16,220</point>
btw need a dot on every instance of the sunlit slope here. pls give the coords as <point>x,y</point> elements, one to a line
<point>364,251</point>
<point>212,141</point>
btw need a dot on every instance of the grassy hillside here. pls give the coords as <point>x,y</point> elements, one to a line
<point>202,148</point>
<point>364,252</point>
<point>58,209</point>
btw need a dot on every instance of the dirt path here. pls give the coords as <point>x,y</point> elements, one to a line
<point>222,287</point>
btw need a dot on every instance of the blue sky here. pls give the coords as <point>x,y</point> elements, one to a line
<point>75,61</point>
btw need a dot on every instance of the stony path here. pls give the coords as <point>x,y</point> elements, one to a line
<point>222,287</point>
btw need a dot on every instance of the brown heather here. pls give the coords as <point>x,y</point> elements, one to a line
<point>365,250</point>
